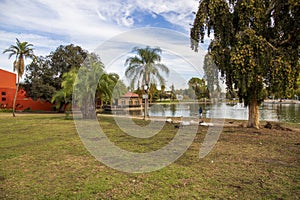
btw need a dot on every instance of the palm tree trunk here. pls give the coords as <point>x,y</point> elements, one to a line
<point>146,107</point>
<point>15,98</point>
<point>147,95</point>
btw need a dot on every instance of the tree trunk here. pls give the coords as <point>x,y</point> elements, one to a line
<point>146,113</point>
<point>15,98</point>
<point>150,98</point>
<point>88,108</point>
<point>253,118</point>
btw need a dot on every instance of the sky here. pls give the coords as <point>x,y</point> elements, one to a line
<point>109,28</point>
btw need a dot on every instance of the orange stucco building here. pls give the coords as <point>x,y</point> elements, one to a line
<point>7,92</point>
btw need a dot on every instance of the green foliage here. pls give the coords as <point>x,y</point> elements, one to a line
<point>255,46</point>
<point>64,95</point>
<point>297,92</point>
<point>41,81</point>
<point>153,92</point>
<point>109,88</point>
<point>146,66</point>
<point>119,87</point>
<point>5,110</point>
<point>45,74</point>
<point>64,58</point>
<point>87,85</point>
<point>21,51</point>
<point>198,87</point>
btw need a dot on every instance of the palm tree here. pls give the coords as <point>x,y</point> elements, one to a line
<point>106,87</point>
<point>64,96</point>
<point>85,87</point>
<point>21,50</point>
<point>146,66</point>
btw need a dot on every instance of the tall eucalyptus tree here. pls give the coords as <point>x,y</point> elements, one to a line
<point>255,46</point>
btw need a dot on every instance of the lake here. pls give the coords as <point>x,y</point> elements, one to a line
<point>268,112</point>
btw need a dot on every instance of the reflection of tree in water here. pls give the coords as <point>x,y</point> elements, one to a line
<point>288,112</point>
<point>279,112</point>
<point>193,109</point>
<point>154,109</point>
<point>173,109</point>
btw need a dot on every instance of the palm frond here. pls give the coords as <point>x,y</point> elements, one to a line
<point>145,65</point>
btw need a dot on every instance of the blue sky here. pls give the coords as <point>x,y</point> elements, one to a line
<point>47,24</point>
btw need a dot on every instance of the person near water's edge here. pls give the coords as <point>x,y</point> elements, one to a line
<point>200,112</point>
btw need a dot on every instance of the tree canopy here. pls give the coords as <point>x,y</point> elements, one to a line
<point>255,46</point>
<point>88,85</point>
<point>198,86</point>
<point>45,74</point>
<point>145,66</point>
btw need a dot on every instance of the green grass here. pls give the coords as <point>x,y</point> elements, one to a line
<point>42,157</point>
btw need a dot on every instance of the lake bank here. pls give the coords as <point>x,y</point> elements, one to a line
<point>283,101</point>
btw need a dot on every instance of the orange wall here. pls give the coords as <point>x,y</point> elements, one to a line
<point>7,93</point>
<point>24,102</point>
<point>7,79</point>
<point>7,97</point>
<point>7,88</point>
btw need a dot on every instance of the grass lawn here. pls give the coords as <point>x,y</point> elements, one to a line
<point>42,157</point>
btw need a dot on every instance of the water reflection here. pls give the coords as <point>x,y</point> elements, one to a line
<point>281,112</point>
<point>268,112</point>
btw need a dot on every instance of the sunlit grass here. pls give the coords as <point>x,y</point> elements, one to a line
<point>42,157</point>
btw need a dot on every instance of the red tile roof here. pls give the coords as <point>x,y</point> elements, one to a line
<point>130,95</point>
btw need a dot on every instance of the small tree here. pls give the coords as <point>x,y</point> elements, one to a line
<point>172,95</point>
<point>63,97</point>
<point>153,92</point>
<point>199,87</point>
<point>162,92</point>
<point>21,50</point>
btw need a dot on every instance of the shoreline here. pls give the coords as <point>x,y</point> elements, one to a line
<point>284,101</point>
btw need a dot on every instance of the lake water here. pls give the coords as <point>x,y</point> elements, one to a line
<point>268,112</point>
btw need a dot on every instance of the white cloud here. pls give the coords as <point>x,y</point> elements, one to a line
<point>177,54</point>
<point>48,24</point>
<point>42,45</point>
<point>176,12</point>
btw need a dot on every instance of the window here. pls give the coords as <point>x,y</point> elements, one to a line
<point>130,102</point>
<point>3,93</point>
<point>136,102</point>
<point>3,99</point>
<point>123,102</point>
